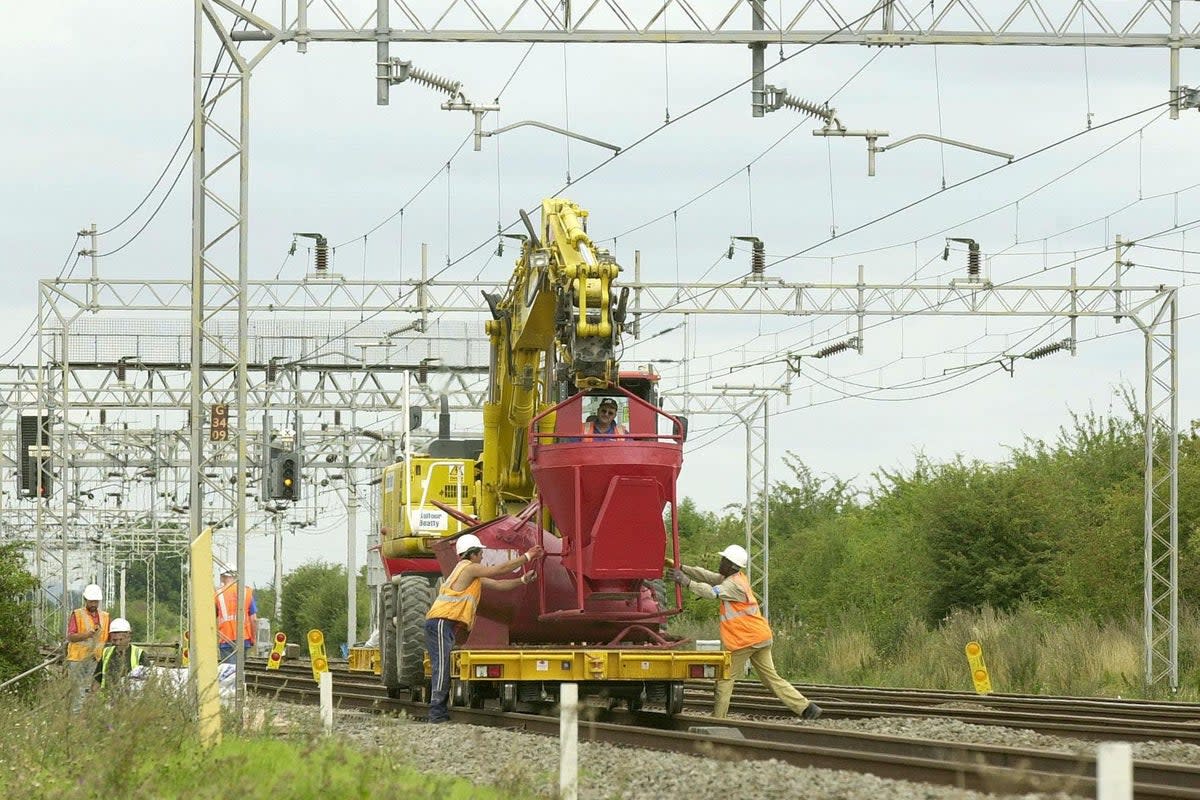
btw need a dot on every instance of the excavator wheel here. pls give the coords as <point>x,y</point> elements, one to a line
<point>415,594</point>
<point>674,698</point>
<point>387,638</point>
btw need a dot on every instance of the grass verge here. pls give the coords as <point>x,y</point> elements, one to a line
<point>1027,652</point>
<point>144,746</point>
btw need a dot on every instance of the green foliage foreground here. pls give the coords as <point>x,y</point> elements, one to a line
<point>146,747</point>
<point>18,646</point>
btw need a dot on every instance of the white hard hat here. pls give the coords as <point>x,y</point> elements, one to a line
<point>92,592</point>
<point>468,541</point>
<point>736,554</point>
<point>119,625</point>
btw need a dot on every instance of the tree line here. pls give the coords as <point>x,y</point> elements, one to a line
<point>1057,526</point>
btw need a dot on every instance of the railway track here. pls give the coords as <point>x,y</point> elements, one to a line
<point>1077,717</point>
<point>986,768</point>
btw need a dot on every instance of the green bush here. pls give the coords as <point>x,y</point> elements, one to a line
<point>18,640</point>
<point>314,596</point>
<point>867,582</point>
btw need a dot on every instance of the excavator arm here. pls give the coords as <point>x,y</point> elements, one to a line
<point>556,325</point>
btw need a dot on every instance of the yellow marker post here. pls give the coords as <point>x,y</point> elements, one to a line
<point>316,653</point>
<point>277,651</point>
<point>204,629</point>
<point>186,653</point>
<point>979,673</point>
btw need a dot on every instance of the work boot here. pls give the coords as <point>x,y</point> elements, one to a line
<point>811,711</point>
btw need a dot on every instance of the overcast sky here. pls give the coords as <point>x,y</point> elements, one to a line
<point>98,95</point>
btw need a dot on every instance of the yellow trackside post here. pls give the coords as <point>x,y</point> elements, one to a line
<point>204,639</point>
<point>316,654</point>
<point>277,651</point>
<point>979,672</point>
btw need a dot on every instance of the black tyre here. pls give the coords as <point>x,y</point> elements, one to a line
<point>674,698</point>
<point>415,597</point>
<point>508,696</point>
<point>387,639</point>
<point>658,588</point>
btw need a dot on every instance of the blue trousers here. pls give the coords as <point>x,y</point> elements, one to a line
<point>225,651</point>
<point>439,641</point>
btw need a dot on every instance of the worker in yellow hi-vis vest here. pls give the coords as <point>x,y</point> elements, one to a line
<point>121,658</point>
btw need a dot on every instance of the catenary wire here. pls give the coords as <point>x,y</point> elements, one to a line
<point>965,181</point>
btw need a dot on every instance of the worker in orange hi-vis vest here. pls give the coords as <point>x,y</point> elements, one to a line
<point>744,630</point>
<point>226,605</point>
<point>87,633</point>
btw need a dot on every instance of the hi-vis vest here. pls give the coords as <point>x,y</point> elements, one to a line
<point>742,625</point>
<point>135,660</point>
<point>594,428</point>
<point>81,651</point>
<point>458,606</point>
<point>227,615</point>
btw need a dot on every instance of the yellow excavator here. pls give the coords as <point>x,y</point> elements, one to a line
<point>554,331</point>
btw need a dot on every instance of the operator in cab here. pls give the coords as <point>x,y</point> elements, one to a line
<point>604,423</point>
<point>455,607</point>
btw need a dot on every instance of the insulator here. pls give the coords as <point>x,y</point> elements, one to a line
<point>833,349</point>
<point>758,259</point>
<point>322,256</point>
<point>973,262</point>
<point>434,81</point>
<point>1047,349</point>
<point>821,112</point>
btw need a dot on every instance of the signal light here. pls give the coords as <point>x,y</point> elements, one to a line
<point>979,672</point>
<point>316,652</point>
<point>277,650</point>
<point>489,671</point>
<point>281,473</point>
<point>702,671</point>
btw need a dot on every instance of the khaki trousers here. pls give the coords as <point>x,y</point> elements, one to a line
<point>764,665</point>
<point>81,675</point>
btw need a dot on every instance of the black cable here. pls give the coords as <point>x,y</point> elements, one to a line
<point>655,131</point>
<point>153,214</point>
<point>965,181</point>
<point>32,322</point>
<point>183,166</point>
<point>157,181</point>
